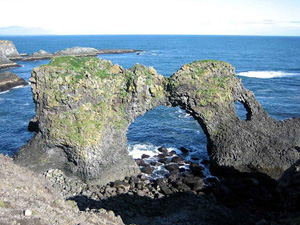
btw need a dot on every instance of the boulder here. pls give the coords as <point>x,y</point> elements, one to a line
<point>10,80</point>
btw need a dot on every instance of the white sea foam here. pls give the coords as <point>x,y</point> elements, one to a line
<point>3,92</point>
<point>19,86</point>
<point>136,151</point>
<point>266,74</point>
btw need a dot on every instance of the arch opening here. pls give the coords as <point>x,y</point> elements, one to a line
<point>242,111</point>
<point>174,129</point>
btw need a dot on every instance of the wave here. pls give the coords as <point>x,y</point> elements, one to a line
<point>3,92</point>
<point>266,74</point>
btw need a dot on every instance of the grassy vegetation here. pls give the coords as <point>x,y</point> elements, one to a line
<point>2,204</point>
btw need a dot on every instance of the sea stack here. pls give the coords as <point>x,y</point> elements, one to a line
<point>8,49</point>
<point>10,80</point>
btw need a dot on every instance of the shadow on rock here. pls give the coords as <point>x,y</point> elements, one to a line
<point>179,208</point>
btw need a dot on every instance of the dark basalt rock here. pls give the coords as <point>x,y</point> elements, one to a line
<point>208,90</point>
<point>85,105</point>
<point>10,80</point>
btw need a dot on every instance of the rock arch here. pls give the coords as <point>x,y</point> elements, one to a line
<point>85,105</point>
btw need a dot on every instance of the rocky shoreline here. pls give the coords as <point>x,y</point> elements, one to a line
<point>180,197</point>
<point>9,53</point>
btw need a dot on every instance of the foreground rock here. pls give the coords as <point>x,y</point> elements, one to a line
<point>10,80</point>
<point>85,105</point>
<point>27,198</point>
<point>40,55</point>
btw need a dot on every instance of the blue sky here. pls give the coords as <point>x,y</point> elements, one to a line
<point>229,17</point>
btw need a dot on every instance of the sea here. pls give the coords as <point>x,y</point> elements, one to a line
<point>268,66</point>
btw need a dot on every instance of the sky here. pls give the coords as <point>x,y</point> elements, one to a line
<point>212,17</point>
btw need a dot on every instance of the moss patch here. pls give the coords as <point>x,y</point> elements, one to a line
<point>2,204</point>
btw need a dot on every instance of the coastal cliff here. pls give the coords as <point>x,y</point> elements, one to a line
<point>85,105</point>
<point>8,49</point>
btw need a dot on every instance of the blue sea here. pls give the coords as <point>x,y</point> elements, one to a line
<point>268,66</point>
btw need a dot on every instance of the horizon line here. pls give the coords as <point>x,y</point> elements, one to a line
<point>245,35</point>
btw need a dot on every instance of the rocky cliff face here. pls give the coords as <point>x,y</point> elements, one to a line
<point>9,50</point>
<point>85,105</point>
<point>208,91</point>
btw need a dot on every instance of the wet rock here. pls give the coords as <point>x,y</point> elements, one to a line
<point>161,156</point>
<point>147,169</point>
<point>197,170</point>
<point>163,150</point>
<point>164,161</point>
<point>177,159</point>
<point>184,150</point>
<point>153,163</point>
<point>172,167</point>
<point>145,156</point>
<point>140,162</point>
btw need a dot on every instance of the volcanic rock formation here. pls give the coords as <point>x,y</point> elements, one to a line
<point>85,105</point>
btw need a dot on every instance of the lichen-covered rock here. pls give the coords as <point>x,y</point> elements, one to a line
<point>84,107</point>
<point>10,80</point>
<point>208,91</point>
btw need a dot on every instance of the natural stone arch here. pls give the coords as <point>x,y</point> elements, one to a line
<point>85,105</point>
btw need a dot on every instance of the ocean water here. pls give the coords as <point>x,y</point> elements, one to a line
<point>268,66</point>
